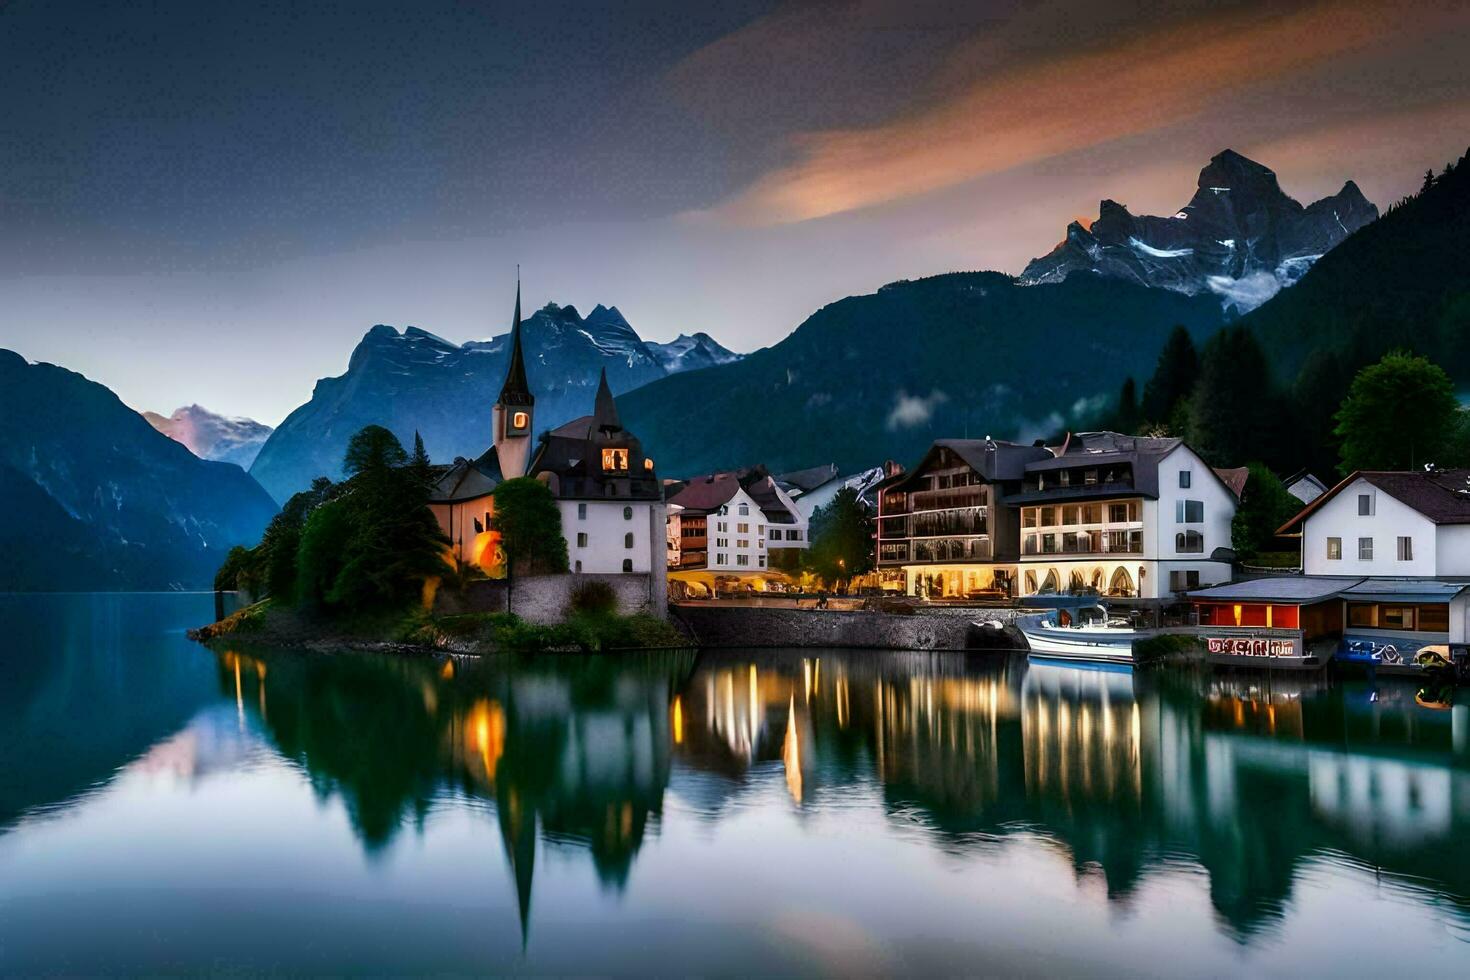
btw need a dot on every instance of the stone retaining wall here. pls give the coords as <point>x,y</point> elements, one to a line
<point>545,598</point>
<point>926,629</point>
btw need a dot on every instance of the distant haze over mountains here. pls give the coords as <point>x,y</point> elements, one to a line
<point>1240,237</point>
<point>212,436</point>
<point>414,381</point>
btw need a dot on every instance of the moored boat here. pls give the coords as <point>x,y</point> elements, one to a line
<point>1083,633</point>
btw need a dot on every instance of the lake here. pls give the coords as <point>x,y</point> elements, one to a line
<point>167,808</point>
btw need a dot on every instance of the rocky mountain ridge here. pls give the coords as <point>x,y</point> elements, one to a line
<point>210,435</point>
<point>1240,237</point>
<point>413,381</point>
<point>95,498</point>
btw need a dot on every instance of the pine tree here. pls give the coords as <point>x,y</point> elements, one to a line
<point>418,462</point>
<point>1173,379</point>
<point>1235,412</point>
<point>1128,418</point>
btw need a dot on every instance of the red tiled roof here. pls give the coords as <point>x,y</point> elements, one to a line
<point>706,493</point>
<point>1234,478</point>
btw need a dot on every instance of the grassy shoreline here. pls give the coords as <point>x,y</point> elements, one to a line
<point>414,631</point>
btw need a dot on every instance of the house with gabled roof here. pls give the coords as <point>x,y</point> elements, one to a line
<point>739,522</point>
<point>1396,524</point>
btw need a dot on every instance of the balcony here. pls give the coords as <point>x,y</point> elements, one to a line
<point>1111,542</point>
<point>947,499</point>
<point>951,549</point>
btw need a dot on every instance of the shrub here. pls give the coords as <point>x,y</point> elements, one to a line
<point>594,597</point>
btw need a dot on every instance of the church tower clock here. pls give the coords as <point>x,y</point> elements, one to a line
<point>514,410</point>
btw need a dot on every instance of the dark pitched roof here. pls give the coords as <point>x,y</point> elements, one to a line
<point>467,479</point>
<point>1443,496</point>
<point>996,460</point>
<point>605,410</point>
<point>1141,454</point>
<point>762,489</point>
<point>578,428</point>
<point>516,390</point>
<point>809,479</point>
<point>1303,589</point>
<point>1301,475</point>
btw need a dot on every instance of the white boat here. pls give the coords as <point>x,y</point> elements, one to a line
<point>1090,635</point>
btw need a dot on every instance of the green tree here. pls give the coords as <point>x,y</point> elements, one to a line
<point>1398,415</point>
<point>418,461</point>
<point>395,542</point>
<point>273,560</point>
<point>1173,380</point>
<point>237,571</point>
<point>325,544</point>
<point>373,452</point>
<point>841,538</point>
<point>1315,396</point>
<point>1264,506</point>
<point>1235,412</point>
<point>529,523</point>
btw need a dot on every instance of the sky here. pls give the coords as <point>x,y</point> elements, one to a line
<point>212,202</point>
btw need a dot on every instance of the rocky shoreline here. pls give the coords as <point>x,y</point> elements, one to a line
<point>417,633</point>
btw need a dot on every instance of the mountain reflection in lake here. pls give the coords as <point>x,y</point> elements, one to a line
<point>164,807</point>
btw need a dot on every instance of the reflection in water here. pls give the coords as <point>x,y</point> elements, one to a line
<point>1261,790</point>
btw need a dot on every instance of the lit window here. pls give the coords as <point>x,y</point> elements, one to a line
<point>1334,549</point>
<point>1406,549</point>
<point>520,421</point>
<point>1365,549</point>
<point>615,460</point>
<point>648,464</point>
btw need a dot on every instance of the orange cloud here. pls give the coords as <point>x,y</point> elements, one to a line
<point>1030,112</point>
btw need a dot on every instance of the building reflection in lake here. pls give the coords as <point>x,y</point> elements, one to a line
<point>1123,775</point>
<point>574,752</point>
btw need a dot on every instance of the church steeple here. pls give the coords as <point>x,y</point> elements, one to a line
<point>516,390</point>
<point>604,409</point>
<point>516,405</point>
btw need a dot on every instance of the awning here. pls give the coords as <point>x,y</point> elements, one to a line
<point>1296,589</point>
<point>1404,590</point>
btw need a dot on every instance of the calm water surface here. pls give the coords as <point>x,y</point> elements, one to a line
<point>168,808</point>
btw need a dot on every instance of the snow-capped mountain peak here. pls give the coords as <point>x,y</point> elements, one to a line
<point>1240,237</point>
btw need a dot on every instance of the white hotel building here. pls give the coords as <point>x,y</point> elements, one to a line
<point>1127,517</point>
